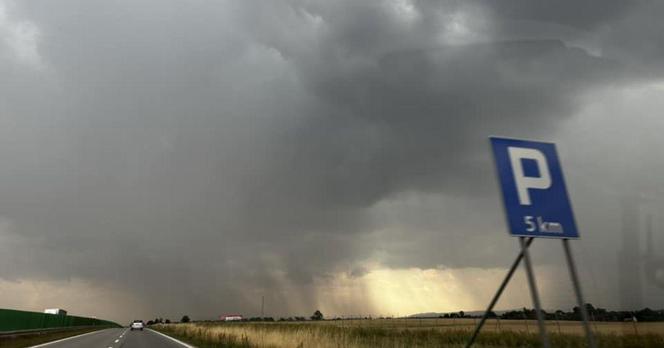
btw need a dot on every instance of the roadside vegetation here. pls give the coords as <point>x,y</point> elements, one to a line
<point>390,333</point>
<point>39,338</point>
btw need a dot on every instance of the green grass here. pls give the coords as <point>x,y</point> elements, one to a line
<point>38,338</point>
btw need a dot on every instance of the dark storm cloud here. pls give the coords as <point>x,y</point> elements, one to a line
<point>585,15</point>
<point>225,147</point>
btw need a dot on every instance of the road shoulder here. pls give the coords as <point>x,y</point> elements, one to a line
<point>171,338</point>
<point>49,341</point>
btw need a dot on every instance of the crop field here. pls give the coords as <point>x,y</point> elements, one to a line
<point>410,333</point>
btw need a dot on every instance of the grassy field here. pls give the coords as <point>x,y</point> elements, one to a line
<point>34,339</point>
<point>410,333</point>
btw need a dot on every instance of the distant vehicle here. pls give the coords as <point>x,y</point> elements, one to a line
<point>57,311</point>
<point>231,317</point>
<point>137,325</point>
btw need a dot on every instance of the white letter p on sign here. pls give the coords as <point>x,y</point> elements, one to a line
<point>523,182</point>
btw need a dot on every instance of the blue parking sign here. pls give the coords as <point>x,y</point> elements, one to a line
<point>534,192</point>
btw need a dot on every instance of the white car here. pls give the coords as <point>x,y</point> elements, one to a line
<point>137,325</point>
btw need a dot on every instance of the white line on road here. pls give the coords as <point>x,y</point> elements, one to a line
<point>172,339</point>
<point>116,341</point>
<point>65,339</point>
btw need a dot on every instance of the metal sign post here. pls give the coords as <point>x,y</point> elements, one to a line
<point>537,205</point>
<point>579,295</point>
<point>502,287</point>
<point>534,294</point>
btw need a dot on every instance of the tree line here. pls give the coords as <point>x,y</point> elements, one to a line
<point>594,314</point>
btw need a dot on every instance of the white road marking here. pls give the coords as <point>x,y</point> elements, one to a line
<point>66,339</point>
<point>116,341</point>
<point>172,339</point>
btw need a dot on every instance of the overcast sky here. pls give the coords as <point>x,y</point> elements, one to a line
<point>162,158</point>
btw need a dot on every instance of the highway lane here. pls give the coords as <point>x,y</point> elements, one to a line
<point>117,338</point>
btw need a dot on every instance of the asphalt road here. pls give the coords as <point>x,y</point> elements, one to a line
<point>117,338</point>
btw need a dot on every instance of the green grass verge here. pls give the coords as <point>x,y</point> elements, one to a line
<point>39,338</point>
